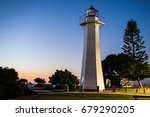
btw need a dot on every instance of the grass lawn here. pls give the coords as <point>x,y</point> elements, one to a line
<point>79,96</point>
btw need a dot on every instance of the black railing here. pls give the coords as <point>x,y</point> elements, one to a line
<point>83,19</point>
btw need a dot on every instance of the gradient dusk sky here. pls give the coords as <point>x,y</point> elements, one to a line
<point>39,36</point>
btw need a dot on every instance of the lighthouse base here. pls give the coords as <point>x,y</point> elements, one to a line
<point>97,89</point>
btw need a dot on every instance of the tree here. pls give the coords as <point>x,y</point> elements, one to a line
<point>63,77</point>
<point>40,80</point>
<point>10,87</point>
<point>134,48</point>
<point>23,81</point>
<point>115,68</point>
<point>8,83</point>
<point>108,65</point>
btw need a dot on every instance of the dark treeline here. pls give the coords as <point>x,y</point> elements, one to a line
<point>11,86</point>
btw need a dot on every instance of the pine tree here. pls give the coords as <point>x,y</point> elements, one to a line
<point>134,47</point>
<point>133,43</point>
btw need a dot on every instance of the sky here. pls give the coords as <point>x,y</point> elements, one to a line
<point>39,36</point>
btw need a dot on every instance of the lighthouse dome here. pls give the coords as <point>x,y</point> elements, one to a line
<point>91,11</point>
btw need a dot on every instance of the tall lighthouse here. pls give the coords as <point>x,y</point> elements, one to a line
<point>91,74</point>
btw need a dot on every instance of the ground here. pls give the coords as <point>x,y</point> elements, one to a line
<point>84,96</point>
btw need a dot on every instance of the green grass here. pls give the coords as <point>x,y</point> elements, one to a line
<point>134,87</point>
<point>78,96</point>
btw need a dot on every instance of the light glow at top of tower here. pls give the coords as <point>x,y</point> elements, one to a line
<point>92,12</point>
<point>91,16</point>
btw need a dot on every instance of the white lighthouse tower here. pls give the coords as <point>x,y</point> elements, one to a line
<point>91,74</point>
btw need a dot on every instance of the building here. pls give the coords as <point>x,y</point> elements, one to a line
<point>91,74</point>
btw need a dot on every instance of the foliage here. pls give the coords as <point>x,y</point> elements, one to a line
<point>134,48</point>
<point>10,87</point>
<point>23,81</point>
<point>115,67</point>
<point>133,43</point>
<point>62,86</point>
<point>8,82</point>
<point>40,80</point>
<point>49,87</point>
<point>63,77</point>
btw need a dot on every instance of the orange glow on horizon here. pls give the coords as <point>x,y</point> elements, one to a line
<point>30,76</point>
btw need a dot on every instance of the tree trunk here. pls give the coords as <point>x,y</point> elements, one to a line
<point>140,83</point>
<point>118,83</point>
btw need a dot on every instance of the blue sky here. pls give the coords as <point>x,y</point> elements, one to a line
<point>39,36</point>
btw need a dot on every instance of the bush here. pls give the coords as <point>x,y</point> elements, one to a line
<point>49,87</point>
<point>40,85</point>
<point>10,87</point>
<point>61,86</point>
<point>63,78</point>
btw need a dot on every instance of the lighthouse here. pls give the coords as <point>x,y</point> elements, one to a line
<point>91,73</point>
